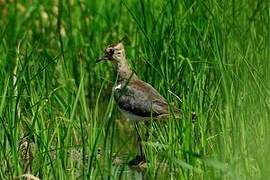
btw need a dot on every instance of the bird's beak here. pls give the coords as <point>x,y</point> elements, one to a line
<point>101,58</point>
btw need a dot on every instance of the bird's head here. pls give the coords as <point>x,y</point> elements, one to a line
<point>114,53</point>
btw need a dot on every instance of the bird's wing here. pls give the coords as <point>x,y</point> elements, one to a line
<point>141,99</point>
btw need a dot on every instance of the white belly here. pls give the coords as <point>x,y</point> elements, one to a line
<point>133,117</point>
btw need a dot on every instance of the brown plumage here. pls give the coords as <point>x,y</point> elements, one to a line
<point>137,99</point>
<point>141,99</point>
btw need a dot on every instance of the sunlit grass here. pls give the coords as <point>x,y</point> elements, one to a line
<point>210,57</point>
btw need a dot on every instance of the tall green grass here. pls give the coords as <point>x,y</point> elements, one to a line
<point>211,57</point>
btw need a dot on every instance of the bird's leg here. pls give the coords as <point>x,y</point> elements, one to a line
<point>139,140</point>
<point>147,131</point>
<point>139,159</point>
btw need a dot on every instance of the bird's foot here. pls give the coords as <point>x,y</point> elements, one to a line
<point>137,161</point>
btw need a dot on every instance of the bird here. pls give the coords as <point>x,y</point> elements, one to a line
<point>136,99</point>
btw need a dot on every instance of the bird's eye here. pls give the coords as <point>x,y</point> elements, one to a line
<point>111,51</point>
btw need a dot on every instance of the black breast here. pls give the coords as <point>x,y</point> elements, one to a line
<point>135,102</point>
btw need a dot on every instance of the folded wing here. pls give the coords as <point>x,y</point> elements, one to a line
<point>141,99</point>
